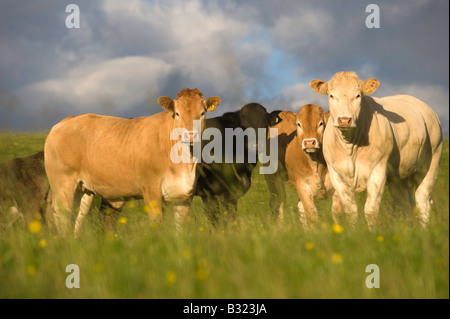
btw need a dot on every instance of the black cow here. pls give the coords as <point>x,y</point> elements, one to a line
<point>220,185</point>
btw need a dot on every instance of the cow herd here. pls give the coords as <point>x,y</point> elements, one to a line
<point>362,144</point>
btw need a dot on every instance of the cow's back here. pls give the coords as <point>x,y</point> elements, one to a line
<point>415,128</point>
<point>106,152</point>
<point>408,106</point>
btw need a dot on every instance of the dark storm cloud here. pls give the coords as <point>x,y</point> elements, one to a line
<point>127,53</point>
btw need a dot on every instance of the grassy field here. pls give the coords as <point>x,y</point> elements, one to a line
<point>253,258</point>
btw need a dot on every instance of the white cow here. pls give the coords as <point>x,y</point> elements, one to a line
<point>370,142</point>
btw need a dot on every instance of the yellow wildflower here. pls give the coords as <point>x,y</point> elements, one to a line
<point>110,236</point>
<point>154,225</point>
<point>42,243</point>
<point>337,229</point>
<point>171,277</point>
<point>153,204</point>
<point>31,270</point>
<point>34,227</point>
<point>202,273</point>
<point>336,258</point>
<point>186,253</point>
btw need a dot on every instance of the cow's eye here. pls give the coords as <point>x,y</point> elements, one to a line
<point>320,124</point>
<point>299,125</point>
<point>203,113</point>
<point>331,96</point>
<point>358,96</point>
<point>177,114</point>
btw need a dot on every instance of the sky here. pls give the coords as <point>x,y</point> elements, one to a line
<point>128,53</point>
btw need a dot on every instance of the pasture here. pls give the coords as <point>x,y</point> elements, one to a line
<point>252,258</point>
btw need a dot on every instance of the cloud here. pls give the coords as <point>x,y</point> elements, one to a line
<point>128,52</point>
<point>113,86</point>
<point>296,96</point>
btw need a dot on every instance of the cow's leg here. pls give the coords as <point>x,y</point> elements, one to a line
<point>375,189</point>
<point>15,216</point>
<point>152,199</point>
<point>211,209</point>
<point>85,206</point>
<point>63,202</point>
<point>423,191</point>
<point>181,211</point>
<point>110,213</point>
<point>48,211</point>
<point>346,196</point>
<point>337,211</point>
<point>277,196</point>
<point>402,199</point>
<point>231,210</point>
<point>306,208</point>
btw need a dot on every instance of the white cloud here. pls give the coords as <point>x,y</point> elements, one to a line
<point>116,84</point>
<point>198,38</point>
<point>300,94</point>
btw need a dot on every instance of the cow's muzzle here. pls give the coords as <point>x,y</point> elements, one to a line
<point>345,122</point>
<point>310,145</point>
<point>190,137</point>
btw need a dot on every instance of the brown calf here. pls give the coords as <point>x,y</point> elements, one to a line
<point>300,161</point>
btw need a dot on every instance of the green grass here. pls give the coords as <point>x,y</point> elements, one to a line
<point>252,259</point>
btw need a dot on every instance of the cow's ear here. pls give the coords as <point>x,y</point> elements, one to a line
<point>326,116</point>
<point>319,86</point>
<point>273,118</point>
<point>212,103</point>
<point>288,117</point>
<point>369,86</point>
<point>166,103</point>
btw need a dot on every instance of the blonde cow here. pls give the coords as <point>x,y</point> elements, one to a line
<point>370,142</point>
<point>121,159</point>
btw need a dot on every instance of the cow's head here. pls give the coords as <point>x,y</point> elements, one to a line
<point>188,107</point>
<point>250,116</point>
<point>345,92</point>
<point>255,116</point>
<point>310,122</point>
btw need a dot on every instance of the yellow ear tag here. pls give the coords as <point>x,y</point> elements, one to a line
<point>276,120</point>
<point>368,91</point>
<point>211,107</point>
